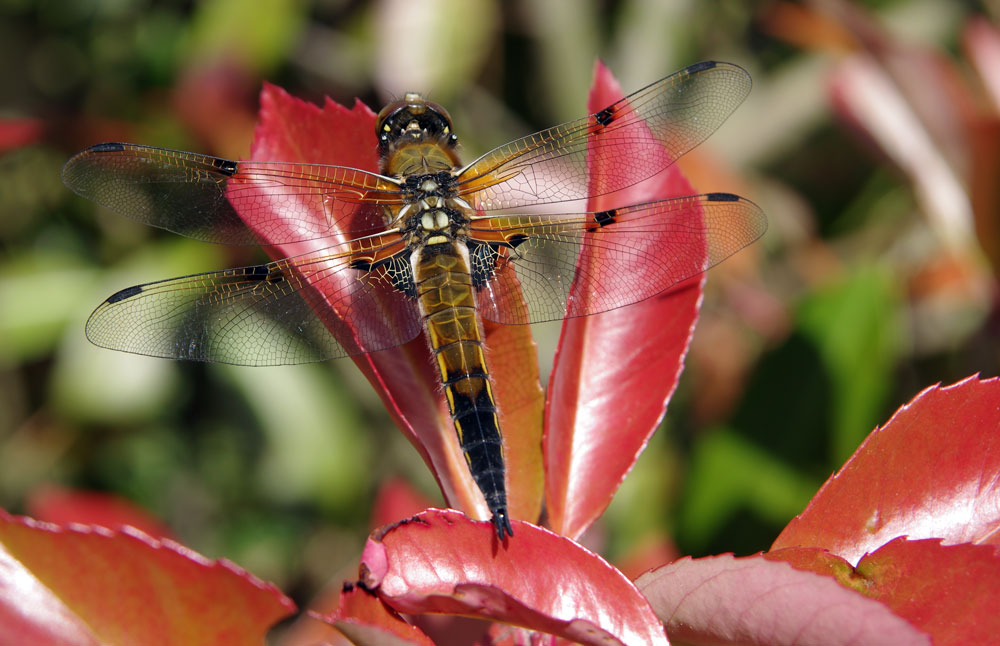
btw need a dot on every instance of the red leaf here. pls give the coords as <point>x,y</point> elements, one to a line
<point>949,591</point>
<point>749,601</point>
<point>614,372</point>
<point>933,471</point>
<point>442,562</point>
<point>367,621</point>
<point>91,585</point>
<point>62,506</point>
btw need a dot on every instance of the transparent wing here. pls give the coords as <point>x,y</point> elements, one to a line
<point>306,308</point>
<point>580,264</point>
<point>634,139</point>
<point>234,202</point>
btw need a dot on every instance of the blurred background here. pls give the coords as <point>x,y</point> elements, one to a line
<point>870,139</point>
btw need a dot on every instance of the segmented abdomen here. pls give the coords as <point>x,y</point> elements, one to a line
<point>445,292</point>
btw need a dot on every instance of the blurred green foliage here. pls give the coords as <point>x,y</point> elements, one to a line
<point>825,327</point>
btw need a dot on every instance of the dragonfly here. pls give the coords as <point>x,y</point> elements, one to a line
<point>426,245</point>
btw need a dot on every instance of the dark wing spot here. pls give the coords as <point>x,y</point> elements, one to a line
<point>267,273</point>
<point>225,166</point>
<point>360,264</point>
<point>257,272</point>
<point>108,148</point>
<point>128,292</point>
<point>516,239</point>
<point>697,67</point>
<point>604,218</point>
<point>722,197</point>
<point>605,116</point>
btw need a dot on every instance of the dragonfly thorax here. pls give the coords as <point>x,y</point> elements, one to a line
<point>434,218</point>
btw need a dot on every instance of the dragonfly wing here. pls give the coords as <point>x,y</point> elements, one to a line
<point>580,264</point>
<point>307,308</point>
<point>234,202</point>
<point>665,119</point>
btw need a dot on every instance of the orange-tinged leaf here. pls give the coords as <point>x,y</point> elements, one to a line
<point>951,592</point>
<point>933,471</point>
<point>512,358</point>
<point>120,588</point>
<point>441,562</point>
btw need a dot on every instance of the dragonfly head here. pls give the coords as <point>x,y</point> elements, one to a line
<point>413,120</point>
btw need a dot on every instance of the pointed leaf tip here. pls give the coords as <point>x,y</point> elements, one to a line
<point>932,471</point>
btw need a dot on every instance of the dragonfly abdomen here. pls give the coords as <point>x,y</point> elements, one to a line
<point>447,303</point>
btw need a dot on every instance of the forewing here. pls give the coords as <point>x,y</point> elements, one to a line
<point>640,251</point>
<point>213,199</point>
<point>307,308</point>
<point>671,116</point>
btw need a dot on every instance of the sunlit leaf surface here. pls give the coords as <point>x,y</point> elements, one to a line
<point>751,601</point>
<point>948,591</point>
<point>88,585</point>
<point>631,354</point>
<point>441,562</point>
<point>932,471</point>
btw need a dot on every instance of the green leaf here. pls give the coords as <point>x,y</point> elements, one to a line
<point>728,473</point>
<point>854,328</point>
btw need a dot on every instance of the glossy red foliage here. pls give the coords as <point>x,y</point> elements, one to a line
<point>932,471</point>
<point>441,562</point>
<point>614,372</point>
<point>89,585</point>
<point>948,591</point>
